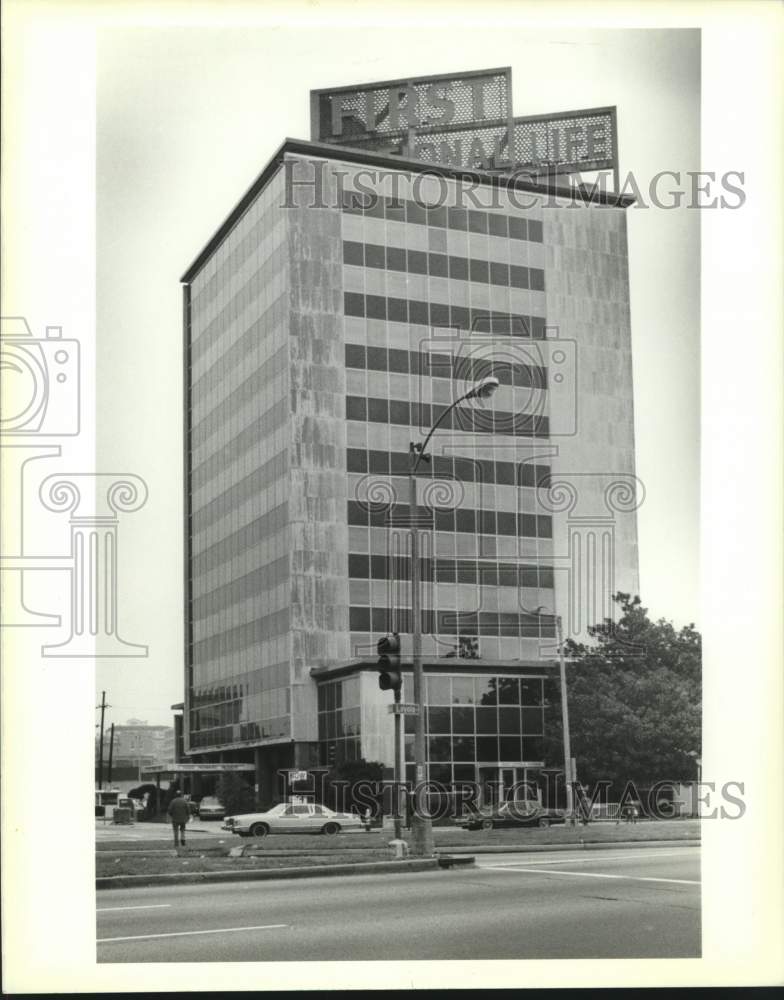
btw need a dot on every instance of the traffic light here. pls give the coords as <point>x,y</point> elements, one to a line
<point>389,678</point>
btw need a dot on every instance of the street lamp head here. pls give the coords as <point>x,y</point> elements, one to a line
<point>484,389</point>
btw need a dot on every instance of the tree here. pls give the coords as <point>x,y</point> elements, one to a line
<point>234,794</point>
<point>341,781</point>
<point>634,700</point>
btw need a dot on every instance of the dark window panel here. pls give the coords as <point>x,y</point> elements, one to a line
<point>417,261</point>
<point>399,412</point>
<point>544,525</point>
<point>509,748</point>
<point>353,253</point>
<point>358,566</point>
<point>353,304</point>
<point>395,209</point>
<point>374,206</point>
<point>466,520</point>
<point>477,221</point>
<point>505,473</point>
<point>446,571</point>
<point>487,749</point>
<point>460,317</point>
<point>355,356</point>
<point>463,748</point>
<point>418,312</point>
<point>438,720</point>
<point>499,273</point>
<point>518,229</point>
<point>537,279</point>
<point>445,520</point>
<point>357,514</point>
<point>546,578</point>
<point>457,218</point>
<point>538,327</point>
<point>438,265</point>
<point>462,718</point>
<point>479,270</point>
<point>398,360</point>
<point>466,571</point>
<point>378,462</point>
<point>527,526</point>
<point>379,569</point>
<point>486,524</point>
<point>529,576</point>
<point>497,224</point>
<point>443,466</point>
<point>458,268</point>
<point>359,619</point>
<point>507,523</point>
<point>377,359</point>
<point>375,256</point>
<point>531,690</point>
<point>356,408</point>
<point>376,306</point>
<point>381,622</point>
<point>356,460</point>
<point>437,217</point>
<point>396,259</point>
<point>439,314</point>
<point>533,748</point>
<point>532,722</point>
<point>378,411</point>
<point>486,720</point>
<point>416,213</point>
<point>488,623</point>
<point>518,276</point>
<point>399,461</point>
<point>420,413</point>
<point>397,310</point>
<point>535,231</point>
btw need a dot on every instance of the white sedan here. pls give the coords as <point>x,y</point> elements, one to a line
<point>289,818</point>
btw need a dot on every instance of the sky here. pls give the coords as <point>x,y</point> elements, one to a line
<point>186,118</point>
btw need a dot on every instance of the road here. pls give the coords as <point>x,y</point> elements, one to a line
<point>630,903</point>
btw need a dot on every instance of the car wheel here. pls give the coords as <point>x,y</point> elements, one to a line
<point>259,830</point>
<point>330,829</point>
<point>487,824</point>
<point>544,822</point>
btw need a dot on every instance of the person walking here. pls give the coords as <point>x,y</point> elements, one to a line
<point>179,814</point>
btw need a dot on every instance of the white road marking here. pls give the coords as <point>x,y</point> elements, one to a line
<point>629,878</point>
<point>147,906</point>
<point>583,860</point>
<point>216,930</point>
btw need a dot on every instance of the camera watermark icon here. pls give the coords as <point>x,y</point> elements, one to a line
<point>40,381</point>
<point>41,403</point>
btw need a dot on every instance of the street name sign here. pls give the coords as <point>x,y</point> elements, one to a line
<point>402,708</point>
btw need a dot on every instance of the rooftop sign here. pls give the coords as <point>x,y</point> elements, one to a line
<point>464,120</point>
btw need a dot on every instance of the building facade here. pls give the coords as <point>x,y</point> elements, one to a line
<point>347,301</point>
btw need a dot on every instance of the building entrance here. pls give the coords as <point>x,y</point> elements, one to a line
<point>499,782</point>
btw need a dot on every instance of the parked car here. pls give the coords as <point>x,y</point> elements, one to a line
<point>211,808</point>
<point>516,813</point>
<point>290,818</point>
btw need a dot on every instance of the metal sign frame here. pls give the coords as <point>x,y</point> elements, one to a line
<point>475,137</point>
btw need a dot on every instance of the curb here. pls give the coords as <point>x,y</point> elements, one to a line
<point>546,848</point>
<point>265,874</point>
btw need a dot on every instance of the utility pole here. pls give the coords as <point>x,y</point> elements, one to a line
<point>103,706</point>
<point>111,754</point>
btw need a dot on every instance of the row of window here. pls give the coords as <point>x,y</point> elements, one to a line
<point>441,265</point>
<point>241,637</point>
<point>478,750</point>
<point>466,470</point>
<point>340,724</point>
<point>276,675</point>
<point>241,733</point>
<point>381,621</point>
<point>432,364</point>
<point>266,526</point>
<point>440,314</point>
<point>415,212</point>
<point>483,690</point>
<point>409,413</point>
<point>504,721</point>
<point>487,574</point>
<point>463,520</point>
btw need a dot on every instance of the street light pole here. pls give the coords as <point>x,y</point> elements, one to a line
<point>567,740</point>
<point>422,844</point>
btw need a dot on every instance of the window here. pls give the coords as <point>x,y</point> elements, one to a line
<point>397,310</point>
<point>358,566</point>
<point>479,270</point>
<point>353,253</point>
<point>458,268</point>
<point>356,460</point>
<point>356,408</point>
<point>375,256</point>
<point>537,279</point>
<point>376,307</point>
<point>396,259</point>
<point>457,218</point>
<point>517,228</point>
<point>518,276</point>
<point>377,359</point>
<point>477,221</point>
<point>353,304</point>
<point>499,273</point>
<point>378,411</point>
<point>355,356</point>
<point>497,225</point>
<point>535,231</point>
<point>438,265</point>
<point>417,262</point>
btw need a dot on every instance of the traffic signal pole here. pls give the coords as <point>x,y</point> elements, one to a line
<point>398,818</point>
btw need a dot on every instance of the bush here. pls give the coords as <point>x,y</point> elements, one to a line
<point>234,794</point>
